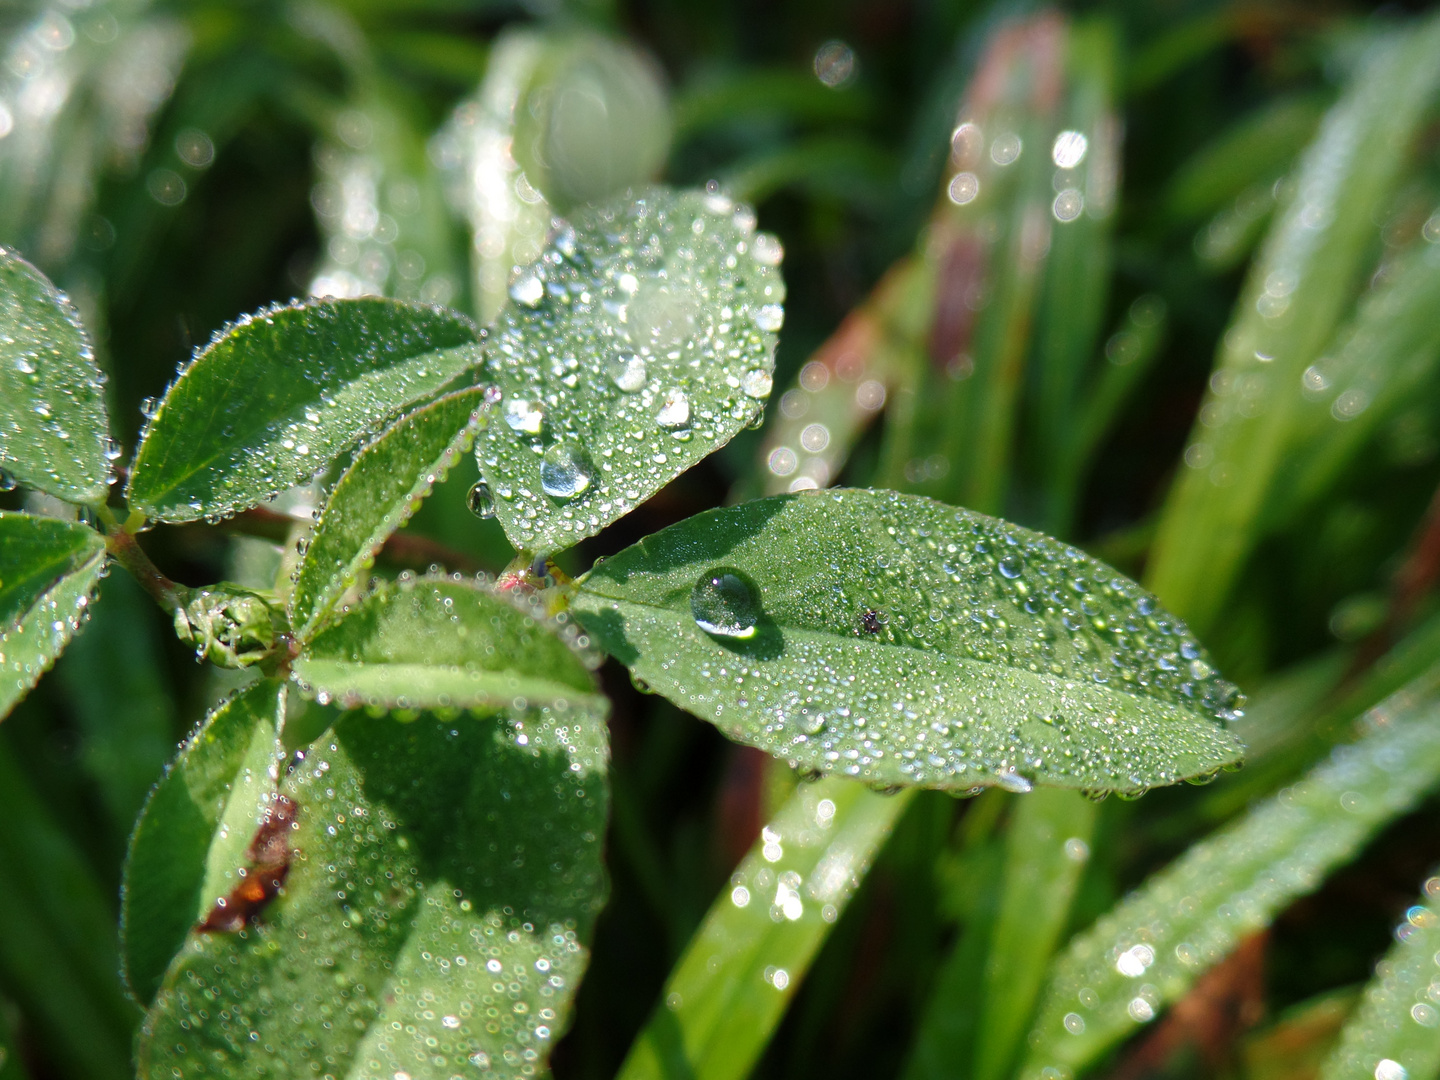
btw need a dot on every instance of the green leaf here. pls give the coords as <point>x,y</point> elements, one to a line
<point>274,397</point>
<point>191,836</point>
<point>433,928</point>
<point>53,434</point>
<point>1392,1035</point>
<point>375,496</point>
<point>739,973</point>
<point>1153,946</point>
<point>640,341</point>
<point>439,643</point>
<point>48,570</point>
<point>901,641</point>
<point>1316,258</point>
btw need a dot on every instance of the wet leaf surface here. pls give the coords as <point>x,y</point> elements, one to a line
<point>53,433</point>
<point>375,496</point>
<point>48,572</point>
<point>430,929</point>
<point>901,641</point>
<point>275,396</point>
<point>437,643</point>
<point>641,340</point>
<point>191,836</point>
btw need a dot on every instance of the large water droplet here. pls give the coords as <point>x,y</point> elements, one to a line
<point>674,410</point>
<point>627,371</point>
<point>770,317</point>
<point>757,383</point>
<point>564,471</point>
<point>7,482</point>
<point>524,415</point>
<point>725,604</point>
<point>527,289</point>
<point>480,501</point>
<point>1012,566</point>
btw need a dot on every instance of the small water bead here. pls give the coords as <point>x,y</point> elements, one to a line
<point>770,317</point>
<point>565,471</point>
<point>674,410</point>
<point>627,372</point>
<point>480,501</point>
<point>725,604</point>
<point>524,415</point>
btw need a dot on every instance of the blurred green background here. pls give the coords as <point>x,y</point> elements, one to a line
<point>173,165</point>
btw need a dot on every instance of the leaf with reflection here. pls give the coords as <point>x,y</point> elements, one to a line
<point>274,397</point>
<point>1149,949</point>
<point>405,904</point>
<point>901,641</point>
<point>437,643</point>
<point>376,495</point>
<point>53,433</point>
<point>640,341</point>
<point>191,837</point>
<point>48,572</point>
<point>740,971</point>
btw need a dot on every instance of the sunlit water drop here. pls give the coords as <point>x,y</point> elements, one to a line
<point>565,471</point>
<point>725,604</point>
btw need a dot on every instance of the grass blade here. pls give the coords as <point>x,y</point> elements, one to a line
<point>1148,950</point>
<point>1293,301</point>
<point>731,987</point>
<point>1393,1033</point>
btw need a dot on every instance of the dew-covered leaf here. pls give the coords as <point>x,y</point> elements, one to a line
<point>1392,1035</point>
<point>436,643</point>
<point>730,989</point>
<point>375,496</point>
<point>191,836</point>
<point>1149,949</point>
<point>48,571</point>
<point>274,397</point>
<point>53,434</point>
<point>640,341</point>
<point>442,880</point>
<point>902,641</point>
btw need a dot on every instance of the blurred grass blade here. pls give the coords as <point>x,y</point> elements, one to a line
<point>727,994</point>
<point>404,903</point>
<point>48,570</point>
<point>1086,156</point>
<point>11,1067</point>
<point>115,679</point>
<point>1392,1035</point>
<point>442,643</point>
<point>842,388</point>
<point>1147,951</point>
<point>376,495</point>
<point>1047,846</point>
<point>58,957</point>
<point>53,433</point>
<point>852,170</point>
<point>642,341</point>
<point>1294,299</point>
<point>277,395</point>
<point>1384,359</point>
<point>878,652</point>
<point>192,835</point>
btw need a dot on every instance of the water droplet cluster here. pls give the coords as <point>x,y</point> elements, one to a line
<point>914,643</point>
<point>1147,951</point>
<point>640,339</point>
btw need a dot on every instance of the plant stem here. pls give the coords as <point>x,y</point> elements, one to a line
<point>125,550</point>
